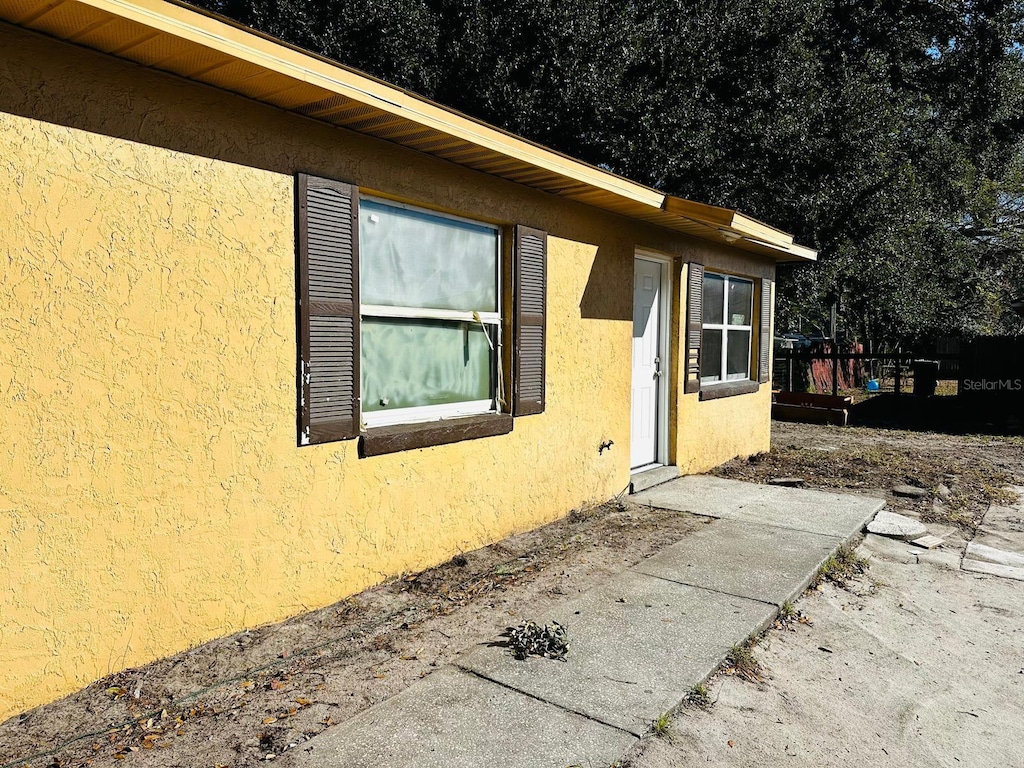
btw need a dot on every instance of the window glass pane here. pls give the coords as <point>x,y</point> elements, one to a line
<point>737,359</point>
<point>711,355</point>
<point>714,298</point>
<point>411,258</point>
<point>741,295</point>
<point>409,363</point>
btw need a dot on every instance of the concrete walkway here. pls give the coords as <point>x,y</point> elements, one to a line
<point>638,642</point>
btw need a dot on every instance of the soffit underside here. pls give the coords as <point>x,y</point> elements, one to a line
<point>97,24</point>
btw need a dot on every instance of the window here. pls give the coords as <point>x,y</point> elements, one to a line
<point>726,328</point>
<point>720,340</point>
<point>402,322</point>
<point>430,314</point>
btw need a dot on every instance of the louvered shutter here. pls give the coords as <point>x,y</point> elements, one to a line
<point>765,335</point>
<point>328,235</point>
<point>694,324</point>
<point>530,296</point>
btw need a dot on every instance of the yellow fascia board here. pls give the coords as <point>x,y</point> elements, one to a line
<point>791,252</point>
<point>727,218</point>
<point>803,253</point>
<point>239,43</point>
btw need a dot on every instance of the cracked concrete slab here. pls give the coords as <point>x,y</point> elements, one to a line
<point>638,644</point>
<point>831,514</point>
<point>759,562</point>
<point>453,719</point>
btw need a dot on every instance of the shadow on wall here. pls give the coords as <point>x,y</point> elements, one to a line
<point>36,84</point>
<point>604,298</point>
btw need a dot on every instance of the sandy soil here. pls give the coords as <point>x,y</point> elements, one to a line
<point>234,701</point>
<point>975,468</point>
<point>911,665</point>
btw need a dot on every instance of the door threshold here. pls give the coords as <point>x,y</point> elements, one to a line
<point>642,478</point>
<point>644,468</point>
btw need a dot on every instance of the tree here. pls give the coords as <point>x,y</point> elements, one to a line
<point>886,133</point>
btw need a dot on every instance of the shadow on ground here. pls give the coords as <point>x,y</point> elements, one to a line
<point>951,414</point>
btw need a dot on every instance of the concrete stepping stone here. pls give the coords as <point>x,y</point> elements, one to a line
<point>993,569</point>
<point>759,562</point>
<point>637,645</point>
<point>976,551</point>
<point>453,719</point>
<point>897,526</point>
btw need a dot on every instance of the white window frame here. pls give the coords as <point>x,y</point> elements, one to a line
<point>490,321</point>
<point>724,328</point>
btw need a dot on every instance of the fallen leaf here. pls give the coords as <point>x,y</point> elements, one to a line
<point>303,702</point>
<point>269,720</point>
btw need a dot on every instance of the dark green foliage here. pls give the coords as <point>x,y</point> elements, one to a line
<point>886,133</point>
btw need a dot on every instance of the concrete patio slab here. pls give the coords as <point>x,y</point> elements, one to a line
<point>831,514</point>
<point>638,645</point>
<point>759,562</point>
<point>453,719</point>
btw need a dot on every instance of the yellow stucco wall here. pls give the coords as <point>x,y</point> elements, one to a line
<point>152,495</point>
<point>709,433</point>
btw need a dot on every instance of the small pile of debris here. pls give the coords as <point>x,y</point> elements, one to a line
<point>530,639</point>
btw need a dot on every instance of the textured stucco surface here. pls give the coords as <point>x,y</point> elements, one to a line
<point>711,432</point>
<point>152,495</point>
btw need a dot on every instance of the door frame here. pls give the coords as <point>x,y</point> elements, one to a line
<point>665,382</point>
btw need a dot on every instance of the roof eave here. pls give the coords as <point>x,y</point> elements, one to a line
<point>210,49</point>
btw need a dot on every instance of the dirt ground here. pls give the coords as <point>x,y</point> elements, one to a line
<point>912,665</point>
<point>241,699</point>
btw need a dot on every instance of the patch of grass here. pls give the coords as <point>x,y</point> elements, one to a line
<point>700,697</point>
<point>742,662</point>
<point>790,615</point>
<point>788,611</point>
<point>842,566</point>
<point>662,727</point>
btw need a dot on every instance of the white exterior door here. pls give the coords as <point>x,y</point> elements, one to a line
<point>647,314</point>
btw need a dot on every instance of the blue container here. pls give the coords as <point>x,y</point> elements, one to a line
<point>872,385</point>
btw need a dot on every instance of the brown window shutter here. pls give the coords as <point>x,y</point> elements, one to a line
<point>694,324</point>
<point>765,335</point>
<point>530,296</point>
<point>328,224</point>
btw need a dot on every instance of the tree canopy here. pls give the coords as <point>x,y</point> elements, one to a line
<point>889,134</point>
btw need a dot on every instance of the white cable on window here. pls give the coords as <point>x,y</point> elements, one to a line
<point>501,376</point>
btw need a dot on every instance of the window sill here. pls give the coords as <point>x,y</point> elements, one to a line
<point>728,389</point>
<point>406,437</point>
